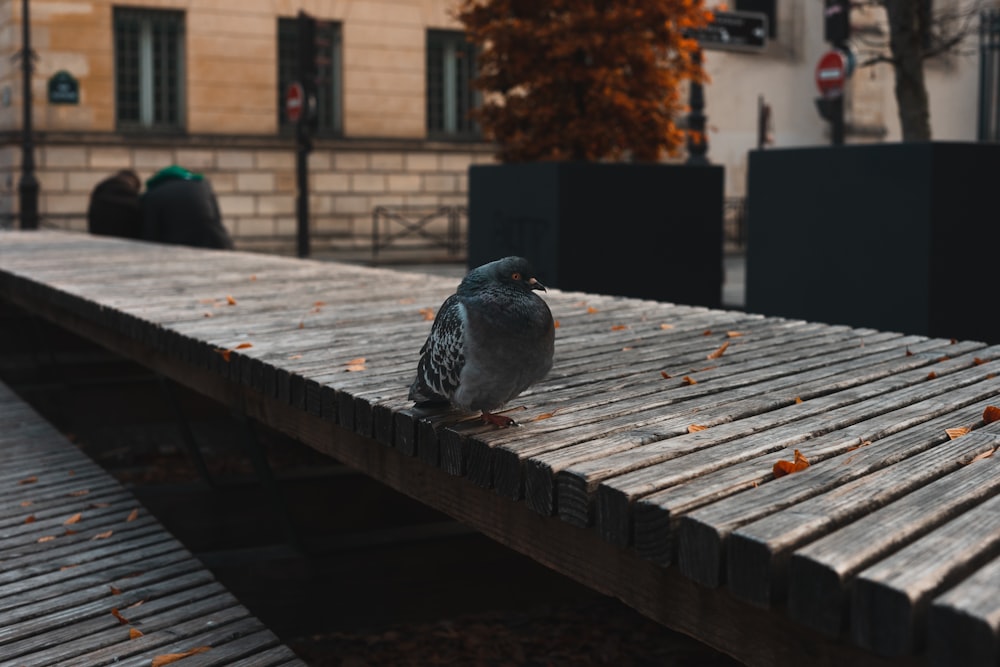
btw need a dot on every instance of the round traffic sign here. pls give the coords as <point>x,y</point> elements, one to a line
<point>294,101</point>
<point>831,71</point>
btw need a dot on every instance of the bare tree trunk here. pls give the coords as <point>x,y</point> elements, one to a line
<point>908,32</point>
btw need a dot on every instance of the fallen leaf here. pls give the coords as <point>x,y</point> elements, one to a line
<point>991,414</point>
<point>978,362</point>
<point>253,277</point>
<point>47,538</point>
<point>706,332</point>
<point>944,358</point>
<point>957,432</point>
<point>168,658</point>
<point>982,455</point>
<point>666,327</point>
<point>69,532</point>
<point>355,365</point>
<point>555,324</point>
<point>27,503</point>
<point>694,428</point>
<point>798,400</point>
<point>734,334</point>
<point>138,602</point>
<point>591,310</point>
<point>30,518</point>
<point>665,375</point>
<point>230,300</point>
<point>719,352</point>
<point>103,536</point>
<point>688,380</point>
<point>302,325</point>
<point>73,519</point>
<point>121,619</point>
<point>134,633</point>
<point>619,327</point>
<point>908,353</point>
<point>133,515</point>
<point>544,415</point>
<point>783,467</point>
<point>29,480</point>
<point>243,346</point>
<point>295,356</point>
<point>931,375</point>
<point>68,567</point>
<point>115,591</point>
<point>223,353</point>
<point>77,494</point>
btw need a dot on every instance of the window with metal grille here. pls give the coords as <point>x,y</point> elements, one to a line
<point>149,69</point>
<point>328,74</point>
<point>451,67</point>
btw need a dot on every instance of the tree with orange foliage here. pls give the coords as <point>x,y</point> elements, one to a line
<point>583,79</point>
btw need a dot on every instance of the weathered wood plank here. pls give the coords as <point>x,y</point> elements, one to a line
<point>823,412</point>
<point>890,599</point>
<point>758,553</point>
<point>703,534</point>
<point>964,623</point>
<point>820,574</point>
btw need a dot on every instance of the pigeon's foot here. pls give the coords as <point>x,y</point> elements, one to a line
<point>500,421</point>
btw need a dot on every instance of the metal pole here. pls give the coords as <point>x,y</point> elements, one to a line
<point>697,140</point>
<point>304,145</point>
<point>28,185</point>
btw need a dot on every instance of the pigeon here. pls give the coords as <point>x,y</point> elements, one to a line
<point>491,340</point>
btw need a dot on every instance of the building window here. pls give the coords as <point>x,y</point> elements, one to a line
<point>767,7</point>
<point>149,69</point>
<point>451,67</point>
<point>328,73</point>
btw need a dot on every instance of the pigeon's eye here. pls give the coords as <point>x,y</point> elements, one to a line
<point>515,276</point>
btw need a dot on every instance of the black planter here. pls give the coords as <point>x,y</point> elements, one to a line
<point>642,230</point>
<point>900,237</point>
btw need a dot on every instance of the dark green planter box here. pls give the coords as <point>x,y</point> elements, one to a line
<point>642,230</point>
<point>899,237</point>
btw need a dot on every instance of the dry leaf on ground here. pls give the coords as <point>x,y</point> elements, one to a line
<point>783,467</point>
<point>168,658</point>
<point>957,432</point>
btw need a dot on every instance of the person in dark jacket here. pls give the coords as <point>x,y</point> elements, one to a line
<point>180,207</point>
<point>114,206</point>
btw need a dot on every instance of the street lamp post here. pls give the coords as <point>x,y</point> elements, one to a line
<point>27,187</point>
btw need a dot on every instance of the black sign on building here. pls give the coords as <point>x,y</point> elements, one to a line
<point>64,88</point>
<point>741,31</point>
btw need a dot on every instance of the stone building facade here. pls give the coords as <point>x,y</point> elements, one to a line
<point>235,58</point>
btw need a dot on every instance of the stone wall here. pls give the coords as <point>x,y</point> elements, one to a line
<point>255,182</point>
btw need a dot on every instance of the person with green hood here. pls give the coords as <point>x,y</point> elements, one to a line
<point>180,207</point>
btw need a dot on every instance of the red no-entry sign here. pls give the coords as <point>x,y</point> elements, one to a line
<point>294,100</point>
<point>831,71</point>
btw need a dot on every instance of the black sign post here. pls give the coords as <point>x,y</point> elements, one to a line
<point>737,31</point>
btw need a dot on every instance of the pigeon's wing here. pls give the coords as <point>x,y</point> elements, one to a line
<point>442,356</point>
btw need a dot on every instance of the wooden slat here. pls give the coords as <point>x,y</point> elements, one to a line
<point>890,599</point>
<point>703,534</point>
<point>964,623</point>
<point>74,545</point>
<point>821,573</point>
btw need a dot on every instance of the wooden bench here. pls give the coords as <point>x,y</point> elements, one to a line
<point>88,577</point>
<point>643,466</point>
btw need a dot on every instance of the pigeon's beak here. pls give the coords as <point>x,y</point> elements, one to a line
<point>534,284</point>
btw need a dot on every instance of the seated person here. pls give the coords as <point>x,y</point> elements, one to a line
<point>179,207</point>
<point>114,206</point>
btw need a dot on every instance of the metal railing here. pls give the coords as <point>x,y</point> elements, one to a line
<point>391,225</point>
